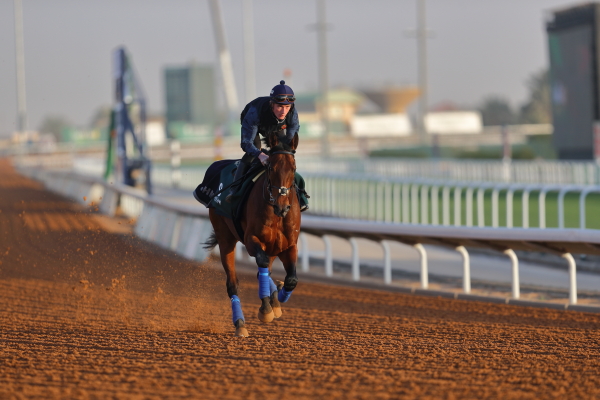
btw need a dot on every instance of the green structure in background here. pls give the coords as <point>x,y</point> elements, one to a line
<point>190,100</point>
<point>110,151</point>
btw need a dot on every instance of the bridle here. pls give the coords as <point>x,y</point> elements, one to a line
<point>281,191</point>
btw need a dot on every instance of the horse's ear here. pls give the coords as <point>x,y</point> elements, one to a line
<point>295,141</point>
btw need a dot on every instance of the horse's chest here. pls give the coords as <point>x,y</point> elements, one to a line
<point>279,243</point>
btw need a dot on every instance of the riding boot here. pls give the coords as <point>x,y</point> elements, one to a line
<point>241,170</point>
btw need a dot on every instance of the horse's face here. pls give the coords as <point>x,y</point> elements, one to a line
<point>281,176</point>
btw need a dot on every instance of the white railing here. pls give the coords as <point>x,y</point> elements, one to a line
<point>182,228</point>
<point>445,203</point>
<point>373,195</point>
<point>523,172</point>
<point>516,171</point>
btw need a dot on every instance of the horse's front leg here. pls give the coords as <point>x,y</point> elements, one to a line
<point>227,244</point>
<point>289,258</point>
<point>265,283</point>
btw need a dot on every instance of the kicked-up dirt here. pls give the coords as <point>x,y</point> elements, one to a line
<point>87,310</point>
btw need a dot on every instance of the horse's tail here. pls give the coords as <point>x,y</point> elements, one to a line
<point>211,242</point>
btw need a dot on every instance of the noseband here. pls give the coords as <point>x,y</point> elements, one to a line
<point>281,191</point>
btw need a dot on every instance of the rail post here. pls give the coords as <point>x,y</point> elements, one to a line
<point>435,212</point>
<point>466,269</point>
<point>387,262</point>
<point>582,197</point>
<point>495,195</point>
<point>328,256</point>
<point>542,207</point>
<point>446,206</point>
<point>355,260</point>
<point>480,207</point>
<point>406,203</point>
<point>561,207</point>
<point>525,207</point>
<point>424,205</point>
<point>509,206</point>
<point>457,206</point>
<point>424,270</point>
<point>305,260</point>
<point>516,290</point>
<point>414,204</point>
<point>572,278</point>
<point>469,206</point>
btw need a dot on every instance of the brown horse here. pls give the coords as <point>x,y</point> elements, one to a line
<point>271,225</point>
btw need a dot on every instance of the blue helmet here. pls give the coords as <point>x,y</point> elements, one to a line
<point>282,94</point>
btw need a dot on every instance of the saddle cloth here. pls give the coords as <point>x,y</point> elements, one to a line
<point>217,184</point>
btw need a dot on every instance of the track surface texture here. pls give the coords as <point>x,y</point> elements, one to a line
<point>90,311</point>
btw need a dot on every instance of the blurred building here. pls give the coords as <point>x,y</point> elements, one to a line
<point>393,100</point>
<point>383,113</point>
<point>339,107</point>
<point>190,101</point>
<point>573,35</point>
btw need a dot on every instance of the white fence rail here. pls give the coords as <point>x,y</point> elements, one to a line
<point>444,192</point>
<point>516,171</point>
<point>183,228</point>
<point>447,203</point>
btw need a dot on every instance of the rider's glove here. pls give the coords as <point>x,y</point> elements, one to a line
<point>263,158</point>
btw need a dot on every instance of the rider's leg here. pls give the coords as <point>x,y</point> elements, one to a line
<point>241,170</point>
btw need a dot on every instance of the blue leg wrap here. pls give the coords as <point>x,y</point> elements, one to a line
<point>264,284</point>
<point>284,295</point>
<point>236,309</point>
<point>273,285</point>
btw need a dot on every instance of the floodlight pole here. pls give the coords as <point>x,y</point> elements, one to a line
<point>422,67</point>
<point>323,75</point>
<point>224,57</point>
<point>249,63</point>
<point>20,66</point>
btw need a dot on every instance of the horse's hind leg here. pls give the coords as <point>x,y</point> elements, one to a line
<point>288,258</point>
<point>227,243</point>
<point>273,300</point>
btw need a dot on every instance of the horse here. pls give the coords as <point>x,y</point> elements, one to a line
<point>271,224</point>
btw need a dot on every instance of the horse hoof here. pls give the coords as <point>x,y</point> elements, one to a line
<point>241,332</point>
<point>275,305</point>
<point>266,318</point>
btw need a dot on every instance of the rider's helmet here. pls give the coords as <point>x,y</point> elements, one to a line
<point>282,94</point>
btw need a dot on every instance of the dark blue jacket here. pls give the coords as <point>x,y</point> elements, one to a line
<point>252,124</point>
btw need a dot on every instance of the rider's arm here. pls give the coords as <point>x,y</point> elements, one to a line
<point>249,132</point>
<point>294,126</point>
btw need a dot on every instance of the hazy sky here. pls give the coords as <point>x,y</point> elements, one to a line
<point>480,48</point>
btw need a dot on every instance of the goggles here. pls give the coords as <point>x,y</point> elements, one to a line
<point>282,98</point>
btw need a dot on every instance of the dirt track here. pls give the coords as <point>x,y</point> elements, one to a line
<point>89,311</point>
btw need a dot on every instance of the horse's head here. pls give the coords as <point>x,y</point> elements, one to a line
<point>281,172</point>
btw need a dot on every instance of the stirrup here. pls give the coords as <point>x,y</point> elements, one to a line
<point>304,208</point>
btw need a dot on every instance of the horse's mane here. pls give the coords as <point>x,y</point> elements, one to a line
<point>278,143</point>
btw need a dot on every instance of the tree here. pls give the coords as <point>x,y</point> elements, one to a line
<point>54,124</point>
<point>537,110</point>
<point>496,110</point>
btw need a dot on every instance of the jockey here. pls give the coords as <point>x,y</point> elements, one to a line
<point>274,113</point>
